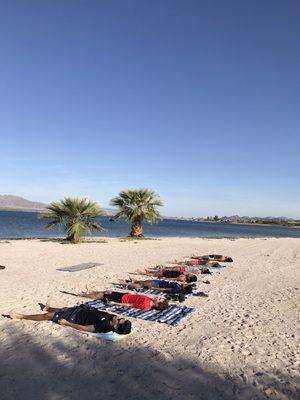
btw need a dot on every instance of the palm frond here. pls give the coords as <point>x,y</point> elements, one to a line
<point>75,215</point>
<point>137,203</point>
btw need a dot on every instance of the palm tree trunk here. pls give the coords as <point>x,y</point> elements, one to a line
<point>72,239</point>
<point>136,228</point>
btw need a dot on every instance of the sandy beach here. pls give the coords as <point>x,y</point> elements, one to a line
<point>240,344</point>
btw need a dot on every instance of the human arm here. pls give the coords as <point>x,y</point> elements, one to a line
<point>175,268</point>
<point>86,328</point>
<point>179,278</point>
<point>114,303</point>
<point>163,289</point>
<point>205,257</point>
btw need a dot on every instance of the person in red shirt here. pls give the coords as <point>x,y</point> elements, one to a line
<point>139,301</point>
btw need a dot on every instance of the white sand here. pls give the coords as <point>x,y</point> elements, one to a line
<point>240,344</point>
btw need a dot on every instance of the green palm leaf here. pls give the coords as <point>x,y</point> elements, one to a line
<point>75,215</point>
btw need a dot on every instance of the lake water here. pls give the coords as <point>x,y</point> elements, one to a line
<point>16,225</point>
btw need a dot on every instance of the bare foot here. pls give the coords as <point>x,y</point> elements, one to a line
<point>15,315</point>
<point>123,282</point>
<point>82,294</point>
<point>42,306</point>
<point>47,305</point>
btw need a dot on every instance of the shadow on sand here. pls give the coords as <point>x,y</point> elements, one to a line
<point>65,241</point>
<point>88,368</point>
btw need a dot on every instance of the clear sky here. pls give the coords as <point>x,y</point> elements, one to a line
<point>198,100</point>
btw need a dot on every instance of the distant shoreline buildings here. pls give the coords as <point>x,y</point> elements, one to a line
<point>236,219</point>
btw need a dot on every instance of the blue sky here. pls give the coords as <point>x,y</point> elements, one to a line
<point>198,100</point>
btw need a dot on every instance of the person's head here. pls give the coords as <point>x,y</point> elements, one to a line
<point>160,303</point>
<point>206,271</point>
<point>228,259</point>
<point>121,325</point>
<point>187,289</point>
<point>191,278</point>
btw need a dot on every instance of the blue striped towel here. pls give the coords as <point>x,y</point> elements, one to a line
<point>172,316</point>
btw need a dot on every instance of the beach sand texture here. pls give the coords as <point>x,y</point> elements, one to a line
<point>240,344</point>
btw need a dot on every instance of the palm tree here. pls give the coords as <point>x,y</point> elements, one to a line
<point>136,205</point>
<point>77,216</point>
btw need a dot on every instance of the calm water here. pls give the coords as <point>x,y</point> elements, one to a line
<point>14,225</point>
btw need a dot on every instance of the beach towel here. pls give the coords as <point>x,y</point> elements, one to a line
<point>111,336</point>
<point>172,316</point>
<point>78,267</point>
<point>217,267</point>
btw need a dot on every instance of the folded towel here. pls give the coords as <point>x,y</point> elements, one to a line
<point>111,336</point>
<point>172,316</point>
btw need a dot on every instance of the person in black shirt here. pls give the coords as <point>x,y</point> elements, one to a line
<point>171,275</point>
<point>81,318</point>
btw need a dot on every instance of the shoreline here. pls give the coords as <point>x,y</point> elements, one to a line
<point>125,238</point>
<point>247,224</point>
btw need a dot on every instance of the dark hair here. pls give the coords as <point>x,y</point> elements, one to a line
<point>228,259</point>
<point>123,329</point>
<point>206,271</point>
<point>187,289</point>
<point>162,305</point>
<point>191,278</point>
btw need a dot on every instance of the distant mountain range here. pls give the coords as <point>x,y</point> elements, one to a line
<point>10,202</point>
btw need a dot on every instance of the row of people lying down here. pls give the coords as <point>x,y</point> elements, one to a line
<point>212,260</point>
<point>181,273</point>
<point>87,319</point>
<point>213,257</point>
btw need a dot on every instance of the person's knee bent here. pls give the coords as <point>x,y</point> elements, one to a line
<point>49,315</point>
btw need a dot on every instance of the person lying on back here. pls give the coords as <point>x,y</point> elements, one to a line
<point>188,269</point>
<point>81,318</point>
<point>139,301</point>
<point>213,257</point>
<point>159,285</point>
<point>197,263</point>
<point>171,275</point>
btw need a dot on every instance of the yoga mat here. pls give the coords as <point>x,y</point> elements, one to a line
<point>79,267</point>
